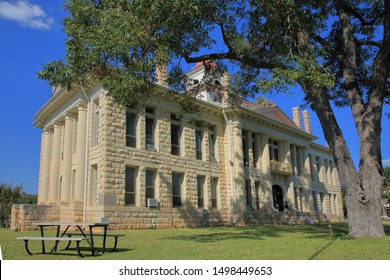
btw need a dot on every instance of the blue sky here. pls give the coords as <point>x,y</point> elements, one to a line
<point>31,36</point>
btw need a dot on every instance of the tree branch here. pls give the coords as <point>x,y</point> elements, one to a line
<point>224,37</point>
<point>325,44</point>
<point>352,12</point>
<point>369,43</point>
<point>236,57</point>
<point>348,62</point>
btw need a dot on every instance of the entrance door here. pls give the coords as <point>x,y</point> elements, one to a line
<point>277,194</point>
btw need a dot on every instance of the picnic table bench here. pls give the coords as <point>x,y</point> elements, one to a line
<point>68,236</point>
<point>114,235</point>
<point>26,239</point>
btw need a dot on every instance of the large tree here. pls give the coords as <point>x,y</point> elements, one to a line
<point>337,51</point>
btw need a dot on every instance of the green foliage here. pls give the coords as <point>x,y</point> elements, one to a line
<point>120,43</point>
<point>8,196</point>
<point>12,195</point>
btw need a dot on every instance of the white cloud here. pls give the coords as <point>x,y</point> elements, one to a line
<point>386,162</point>
<point>26,14</point>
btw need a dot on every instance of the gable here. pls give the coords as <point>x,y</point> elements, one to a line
<point>277,114</point>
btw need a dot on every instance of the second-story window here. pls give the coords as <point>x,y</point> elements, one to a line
<point>273,150</point>
<point>96,122</point>
<point>198,143</point>
<point>245,148</point>
<point>326,170</point>
<point>255,151</point>
<point>149,129</point>
<point>311,168</point>
<point>212,143</point>
<point>131,128</point>
<point>318,167</point>
<point>175,135</point>
<point>299,160</point>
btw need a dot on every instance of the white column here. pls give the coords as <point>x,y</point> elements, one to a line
<point>45,166</point>
<point>55,163</point>
<point>80,153</point>
<point>307,203</point>
<point>239,174</point>
<point>266,199</point>
<point>67,159</point>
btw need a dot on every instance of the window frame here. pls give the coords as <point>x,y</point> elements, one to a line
<point>134,127</point>
<point>131,190</point>
<point>200,182</point>
<point>178,193</point>
<point>152,186</point>
<point>199,143</point>
<point>175,123</point>
<point>150,119</point>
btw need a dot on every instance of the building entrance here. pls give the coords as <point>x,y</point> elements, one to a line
<point>277,195</point>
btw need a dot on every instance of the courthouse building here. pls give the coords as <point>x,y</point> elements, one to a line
<point>246,163</point>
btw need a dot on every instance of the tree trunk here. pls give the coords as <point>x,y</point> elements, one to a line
<point>363,190</point>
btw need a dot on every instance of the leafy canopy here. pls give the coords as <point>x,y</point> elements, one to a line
<point>121,42</point>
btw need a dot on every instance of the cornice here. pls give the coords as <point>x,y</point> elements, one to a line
<point>269,122</point>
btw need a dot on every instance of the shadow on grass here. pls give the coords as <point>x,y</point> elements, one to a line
<point>321,250</point>
<point>265,231</point>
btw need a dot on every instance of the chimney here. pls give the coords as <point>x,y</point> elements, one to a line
<point>225,81</point>
<point>297,116</point>
<point>306,121</point>
<point>161,74</point>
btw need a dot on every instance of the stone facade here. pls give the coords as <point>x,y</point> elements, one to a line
<point>245,165</point>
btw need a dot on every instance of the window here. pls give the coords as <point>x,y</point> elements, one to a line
<point>273,150</point>
<point>150,177</point>
<point>248,189</point>
<point>176,189</point>
<point>326,170</point>
<point>96,123</point>
<point>318,167</point>
<point>130,185</point>
<point>311,167</point>
<point>131,126</point>
<point>315,202</point>
<point>330,203</point>
<point>292,158</point>
<point>254,150</point>
<point>245,148</point>
<point>298,151</point>
<point>257,188</point>
<point>298,199</point>
<point>198,142</point>
<point>199,184</point>
<point>214,184</point>
<point>331,173</point>
<point>149,129</point>
<point>175,135</point>
<point>212,144</point>
<point>93,184</point>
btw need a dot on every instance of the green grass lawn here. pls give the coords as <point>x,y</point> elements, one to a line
<point>268,242</point>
